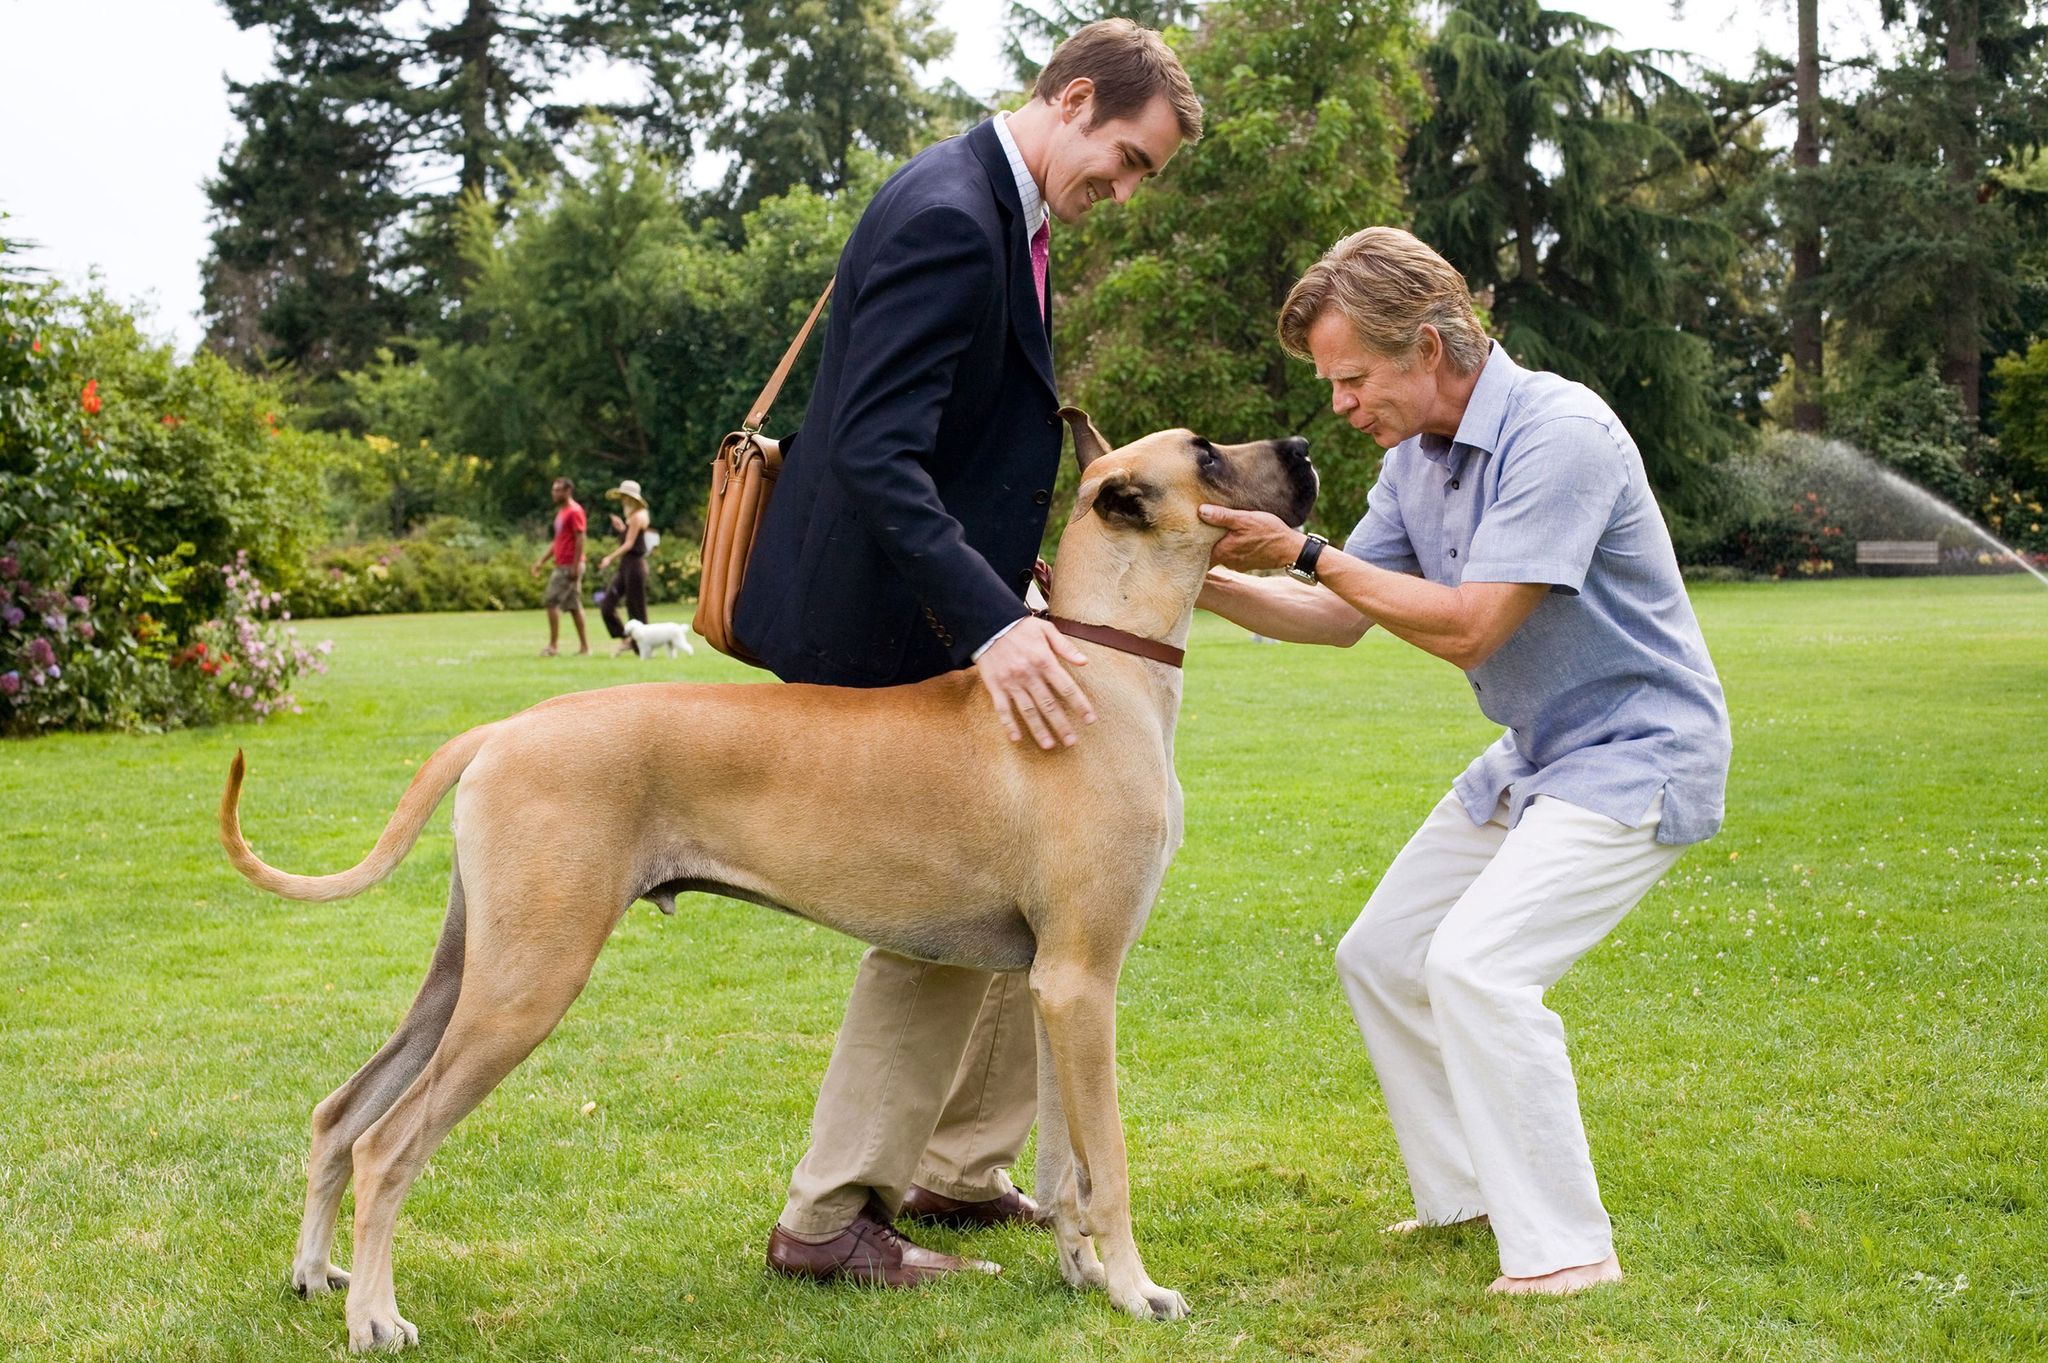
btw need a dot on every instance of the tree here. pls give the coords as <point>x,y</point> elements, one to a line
<point>1922,239</point>
<point>1033,30</point>
<point>1803,302</point>
<point>1166,306</point>
<point>335,215</point>
<point>1533,175</point>
<point>822,80</point>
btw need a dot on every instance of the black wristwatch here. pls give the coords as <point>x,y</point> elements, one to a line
<point>1304,566</point>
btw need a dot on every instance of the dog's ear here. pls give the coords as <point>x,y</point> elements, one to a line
<point>1122,499</point>
<point>1088,442</point>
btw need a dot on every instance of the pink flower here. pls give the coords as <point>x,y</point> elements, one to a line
<point>90,398</point>
<point>10,683</point>
<point>9,569</point>
<point>81,604</point>
<point>12,615</point>
<point>40,654</point>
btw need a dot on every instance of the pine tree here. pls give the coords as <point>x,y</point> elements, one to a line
<point>335,215</point>
<point>1922,236</point>
<point>1533,176</point>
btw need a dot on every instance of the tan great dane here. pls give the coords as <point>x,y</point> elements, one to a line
<point>902,816</point>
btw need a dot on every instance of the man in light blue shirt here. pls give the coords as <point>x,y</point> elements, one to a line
<point>1513,533</point>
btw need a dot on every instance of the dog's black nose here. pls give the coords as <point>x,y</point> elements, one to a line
<point>1295,447</point>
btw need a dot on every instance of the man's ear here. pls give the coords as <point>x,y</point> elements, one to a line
<point>1088,442</point>
<point>1119,498</point>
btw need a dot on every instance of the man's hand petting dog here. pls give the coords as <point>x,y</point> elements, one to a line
<point>1025,676</point>
<point>1257,539</point>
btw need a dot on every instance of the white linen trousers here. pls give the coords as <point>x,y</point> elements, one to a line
<point>1445,971</point>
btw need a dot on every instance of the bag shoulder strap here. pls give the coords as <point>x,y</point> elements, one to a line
<point>759,415</point>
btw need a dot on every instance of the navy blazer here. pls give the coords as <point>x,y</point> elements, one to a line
<point>912,500</point>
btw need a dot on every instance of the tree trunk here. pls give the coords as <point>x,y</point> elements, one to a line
<point>1963,349</point>
<point>474,46</point>
<point>1806,260</point>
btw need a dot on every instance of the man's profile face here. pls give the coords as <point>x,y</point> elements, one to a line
<point>561,491</point>
<point>1385,396</point>
<point>1107,162</point>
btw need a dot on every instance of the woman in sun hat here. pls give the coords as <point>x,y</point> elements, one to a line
<point>628,586</point>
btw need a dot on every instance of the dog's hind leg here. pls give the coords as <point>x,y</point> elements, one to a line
<point>348,1112</point>
<point>1058,1182</point>
<point>1076,998</point>
<point>517,983</point>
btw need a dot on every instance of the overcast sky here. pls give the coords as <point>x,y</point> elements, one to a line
<point>115,111</point>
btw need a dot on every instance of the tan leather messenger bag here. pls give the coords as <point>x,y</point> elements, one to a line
<point>742,476</point>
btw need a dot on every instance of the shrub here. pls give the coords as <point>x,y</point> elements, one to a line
<point>241,665</point>
<point>2022,410</point>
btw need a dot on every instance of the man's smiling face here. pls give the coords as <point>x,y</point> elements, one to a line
<point>1108,161</point>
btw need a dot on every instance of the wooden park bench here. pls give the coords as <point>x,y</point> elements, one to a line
<point>1898,554</point>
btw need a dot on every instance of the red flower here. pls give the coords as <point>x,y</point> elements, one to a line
<point>90,398</point>
<point>170,420</point>
<point>35,347</point>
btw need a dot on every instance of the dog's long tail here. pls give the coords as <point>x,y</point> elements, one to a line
<point>433,780</point>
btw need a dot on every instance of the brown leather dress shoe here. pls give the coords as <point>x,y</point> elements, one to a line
<point>1011,1209</point>
<point>868,1251</point>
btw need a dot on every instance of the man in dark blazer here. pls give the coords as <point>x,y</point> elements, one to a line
<point>899,546</point>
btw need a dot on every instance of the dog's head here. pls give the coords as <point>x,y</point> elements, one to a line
<point>1155,486</point>
<point>633,628</point>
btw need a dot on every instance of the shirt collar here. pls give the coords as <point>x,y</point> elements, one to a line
<point>1027,188</point>
<point>1486,411</point>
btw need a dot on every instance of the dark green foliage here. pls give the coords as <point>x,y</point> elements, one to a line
<point>1034,28</point>
<point>337,219</point>
<point>1551,172</point>
<point>1924,239</point>
<point>615,338</point>
<point>1166,306</point>
<point>821,81</point>
<point>2022,406</point>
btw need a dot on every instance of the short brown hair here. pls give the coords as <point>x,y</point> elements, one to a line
<point>1129,66</point>
<point>1387,284</point>
<point>569,483</point>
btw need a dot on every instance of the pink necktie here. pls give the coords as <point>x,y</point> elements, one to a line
<point>1041,247</point>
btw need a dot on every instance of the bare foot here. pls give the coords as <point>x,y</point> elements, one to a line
<point>1564,1281</point>
<point>583,652</point>
<point>1411,1225</point>
<point>548,652</point>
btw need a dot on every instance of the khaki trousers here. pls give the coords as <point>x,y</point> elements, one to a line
<point>1446,970</point>
<point>934,1081</point>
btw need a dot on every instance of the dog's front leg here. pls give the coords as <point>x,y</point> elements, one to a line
<point>1077,1007</point>
<point>1059,1184</point>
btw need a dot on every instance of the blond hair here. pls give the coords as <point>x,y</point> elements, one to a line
<point>1129,66</point>
<point>1388,286</point>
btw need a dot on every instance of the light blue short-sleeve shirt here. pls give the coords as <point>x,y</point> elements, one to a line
<point>1606,689</point>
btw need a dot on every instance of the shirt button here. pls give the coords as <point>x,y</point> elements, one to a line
<point>1040,497</point>
<point>1477,687</point>
<point>1454,485</point>
<point>1454,553</point>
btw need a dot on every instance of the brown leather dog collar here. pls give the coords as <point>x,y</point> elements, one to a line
<point>1121,640</point>
<point>1108,636</point>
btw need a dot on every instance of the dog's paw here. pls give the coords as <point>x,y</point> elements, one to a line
<point>381,1332</point>
<point>1080,1266</point>
<point>1147,1300</point>
<point>315,1280</point>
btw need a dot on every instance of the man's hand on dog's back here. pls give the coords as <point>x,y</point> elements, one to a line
<point>1025,674</point>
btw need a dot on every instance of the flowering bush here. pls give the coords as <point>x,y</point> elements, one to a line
<point>119,468</point>
<point>245,661</point>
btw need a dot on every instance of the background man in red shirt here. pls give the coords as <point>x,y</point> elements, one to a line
<point>565,584</point>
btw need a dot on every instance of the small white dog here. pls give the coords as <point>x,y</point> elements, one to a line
<point>667,634</point>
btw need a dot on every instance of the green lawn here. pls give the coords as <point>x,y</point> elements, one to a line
<point>1812,1061</point>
